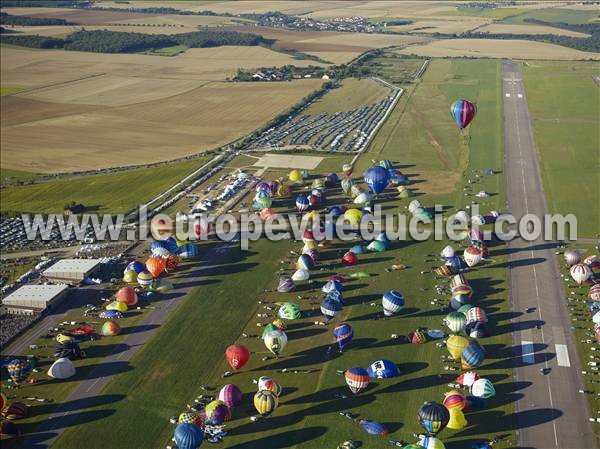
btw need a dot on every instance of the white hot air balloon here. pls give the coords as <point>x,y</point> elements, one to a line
<point>572,256</point>
<point>447,252</point>
<point>414,205</point>
<point>462,217</point>
<point>63,368</point>
<point>301,275</point>
<point>580,273</point>
<point>472,256</point>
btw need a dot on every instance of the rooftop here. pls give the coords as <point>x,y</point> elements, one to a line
<point>35,292</point>
<point>72,266</point>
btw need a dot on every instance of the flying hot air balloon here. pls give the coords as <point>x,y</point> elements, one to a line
<point>357,379</point>
<point>237,356</point>
<point>463,112</point>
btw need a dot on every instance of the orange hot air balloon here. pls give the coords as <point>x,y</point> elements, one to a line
<point>171,262</point>
<point>127,295</point>
<point>155,266</point>
<point>237,356</point>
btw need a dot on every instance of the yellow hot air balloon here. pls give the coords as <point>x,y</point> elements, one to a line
<point>117,305</point>
<point>265,402</point>
<point>353,216</point>
<point>457,419</point>
<point>295,176</point>
<point>284,190</point>
<point>130,277</point>
<point>62,338</point>
<point>308,245</point>
<point>455,345</point>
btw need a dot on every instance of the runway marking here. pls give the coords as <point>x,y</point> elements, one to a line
<point>527,352</point>
<point>519,95</point>
<point>562,355</point>
<point>507,95</point>
<point>93,384</point>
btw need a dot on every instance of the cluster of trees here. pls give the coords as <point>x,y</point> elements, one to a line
<point>45,3</point>
<point>163,10</point>
<point>7,31</point>
<point>7,19</point>
<point>103,41</point>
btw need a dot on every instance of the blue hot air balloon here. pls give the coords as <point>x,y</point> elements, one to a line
<point>383,369</point>
<point>188,436</point>
<point>302,203</point>
<point>463,112</point>
<point>377,178</point>
<point>332,285</point>
<point>343,334</point>
<point>472,356</point>
<point>392,302</point>
<point>330,307</point>
<point>373,427</point>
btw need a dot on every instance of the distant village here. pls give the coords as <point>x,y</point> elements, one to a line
<point>285,73</point>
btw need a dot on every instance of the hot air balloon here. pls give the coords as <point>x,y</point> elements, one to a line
<point>353,216</point>
<point>472,356</point>
<point>392,302</point>
<point>69,349</point>
<point>377,178</point>
<point>343,334</point>
<point>455,321</point>
<point>127,295</point>
<point>130,277</point>
<point>357,379</point>
<point>302,203</point>
<point>433,417</point>
<point>266,213</point>
<point>110,328</point>
<point>330,307</point>
<point>386,163</point>
<point>191,417</point>
<point>265,402</point>
<point>301,275</point>
<point>110,315</point>
<point>377,246</point>
<point>16,410</point>
<point>117,305</point>
<point>457,419</point>
<point>463,112</point>
<point>572,256</point>
<point>295,176</point>
<point>188,436</point>
<point>581,273</point>
<point>286,284</point>
<point>155,266</point>
<point>430,442</point>
<point>483,388</point>
<point>275,341</point>
<point>237,356</point>
<point>455,399</point>
<point>383,369</point>
<point>160,251</point>
<point>19,370</point>
<point>347,185</point>
<point>456,344</point>
<point>476,329</point>
<point>63,368</point>
<point>594,293</point>
<point>216,413</point>
<point>171,262</point>
<point>363,198</point>
<point>472,255</point>
<point>305,262</point>
<point>61,338</point>
<point>347,169</point>
<point>373,427</point>
<point>144,278</point>
<point>417,337</point>
<point>267,383</point>
<point>476,314</point>
<point>289,311</point>
<point>349,259</point>
<point>467,379</point>
<point>280,324</point>
<point>332,285</point>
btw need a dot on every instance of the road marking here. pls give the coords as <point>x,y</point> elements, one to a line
<point>527,353</point>
<point>507,95</point>
<point>519,95</point>
<point>93,384</point>
<point>562,355</point>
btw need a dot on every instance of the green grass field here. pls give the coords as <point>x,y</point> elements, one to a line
<point>573,16</point>
<point>188,350</point>
<point>112,193</point>
<point>352,94</point>
<point>496,13</point>
<point>564,102</point>
<point>394,69</point>
<point>10,90</point>
<point>167,51</point>
<point>8,176</point>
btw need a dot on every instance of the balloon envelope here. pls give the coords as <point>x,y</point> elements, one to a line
<point>373,427</point>
<point>357,379</point>
<point>383,369</point>
<point>237,356</point>
<point>463,112</point>
<point>343,334</point>
<point>188,436</point>
<point>392,302</point>
<point>433,417</point>
<point>377,178</point>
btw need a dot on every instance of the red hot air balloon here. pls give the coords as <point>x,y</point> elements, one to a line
<point>349,259</point>
<point>463,112</point>
<point>237,356</point>
<point>127,295</point>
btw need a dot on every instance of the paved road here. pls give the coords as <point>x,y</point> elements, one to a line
<point>552,413</point>
<point>118,360</point>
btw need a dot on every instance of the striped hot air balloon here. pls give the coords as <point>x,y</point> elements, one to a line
<point>230,395</point>
<point>417,337</point>
<point>476,314</point>
<point>110,328</point>
<point>19,370</point>
<point>594,293</point>
<point>343,334</point>
<point>455,399</point>
<point>455,321</point>
<point>330,307</point>
<point>467,379</point>
<point>483,388</point>
<point>267,383</point>
<point>286,284</point>
<point>463,112</point>
<point>392,302</point>
<point>275,341</point>
<point>302,203</point>
<point>433,417</point>
<point>289,311</point>
<point>581,273</point>
<point>373,427</point>
<point>472,356</point>
<point>357,379</point>
<point>265,402</point>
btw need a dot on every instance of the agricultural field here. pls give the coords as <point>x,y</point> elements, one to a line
<point>568,165</point>
<point>440,26</point>
<point>110,193</point>
<point>528,28</point>
<point>495,13</point>
<point>395,69</point>
<point>566,14</point>
<point>497,48</point>
<point>10,90</point>
<point>352,94</point>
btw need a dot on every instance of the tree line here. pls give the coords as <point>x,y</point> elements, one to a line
<point>8,19</point>
<point>44,3</point>
<point>104,41</point>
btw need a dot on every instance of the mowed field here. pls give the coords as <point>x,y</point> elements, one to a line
<point>528,28</point>
<point>497,48</point>
<point>564,102</point>
<point>352,94</point>
<point>155,108</point>
<point>308,414</point>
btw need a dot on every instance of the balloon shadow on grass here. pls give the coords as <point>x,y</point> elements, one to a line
<point>282,440</point>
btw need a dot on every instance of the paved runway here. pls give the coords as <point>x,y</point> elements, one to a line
<point>552,413</point>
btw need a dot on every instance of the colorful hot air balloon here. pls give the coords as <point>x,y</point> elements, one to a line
<point>302,203</point>
<point>332,285</point>
<point>289,311</point>
<point>353,216</point>
<point>144,279</point>
<point>330,307</point>
<point>347,169</point>
<point>265,402</point>
<point>19,370</point>
<point>237,356</point>
<point>127,295</point>
<point>171,262</point>
<point>456,322</point>
<point>463,112</point>
<point>216,413</point>
<point>16,410</point>
<point>447,252</point>
<point>455,345</point>
<point>581,273</point>
<point>286,284</point>
<point>191,417</point>
<point>455,399</point>
<point>267,383</point>
<point>343,334</point>
<point>467,379</point>
<point>130,277</point>
<point>433,417</point>
<point>430,442</point>
<point>386,163</point>
<point>383,369</point>
<point>275,341</point>
<point>373,427</point>
<point>472,255</point>
<point>392,302</point>
<point>117,305</point>
<point>417,337</point>
<point>594,293</point>
<point>357,379</point>
<point>295,176</point>
<point>377,178</point>
<point>347,185</point>
<point>111,315</point>
<point>476,314</point>
<point>188,436</point>
<point>483,388</point>
<point>305,262</point>
<point>155,266</point>
<point>457,419</point>
<point>110,328</point>
<point>472,356</point>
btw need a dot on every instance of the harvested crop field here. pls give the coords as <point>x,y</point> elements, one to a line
<point>440,26</point>
<point>79,16</point>
<point>497,48</point>
<point>203,118</point>
<point>528,29</point>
